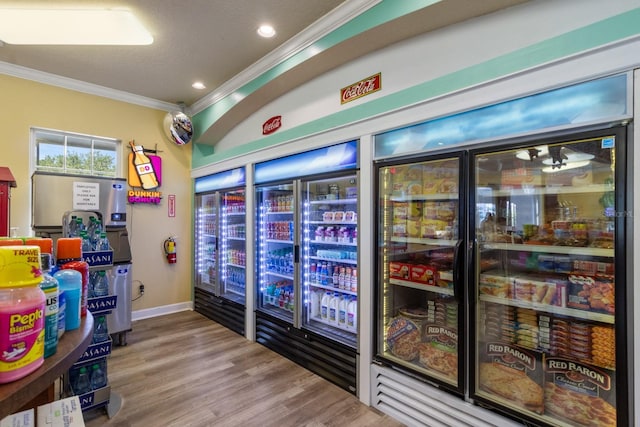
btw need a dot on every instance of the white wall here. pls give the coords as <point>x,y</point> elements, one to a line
<point>429,56</point>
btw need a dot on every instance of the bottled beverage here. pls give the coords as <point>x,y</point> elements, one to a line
<point>49,286</point>
<point>333,308</point>
<point>103,243</point>
<point>336,275</point>
<point>324,306</point>
<point>352,314</point>
<point>100,332</point>
<point>341,278</point>
<point>354,280</point>
<point>73,226</point>
<point>79,226</point>
<point>342,312</point>
<point>101,285</point>
<point>325,274</point>
<point>144,168</point>
<point>316,296</point>
<point>98,377</point>
<point>83,383</point>
<point>86,242</point>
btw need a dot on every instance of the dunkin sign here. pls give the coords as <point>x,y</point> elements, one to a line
<point>362,88</point>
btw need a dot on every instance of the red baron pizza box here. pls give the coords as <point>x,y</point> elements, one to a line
<point>423,274</point>
<point>579,393</point>
<point>513,373</point>
<point>399,270</point>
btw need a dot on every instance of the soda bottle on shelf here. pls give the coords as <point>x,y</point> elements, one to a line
<point>83,383</point>
<point>100,332</point>
<point>98,377</point>
<point>101,285</point>
<point>336,277</point>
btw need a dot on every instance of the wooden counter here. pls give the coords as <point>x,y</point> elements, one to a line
<point>15,395</point>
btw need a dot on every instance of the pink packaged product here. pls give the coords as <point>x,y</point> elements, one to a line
<point>331,234</point>
<point>319,234</point>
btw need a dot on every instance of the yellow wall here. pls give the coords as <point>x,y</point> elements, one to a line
<point>26,104</point>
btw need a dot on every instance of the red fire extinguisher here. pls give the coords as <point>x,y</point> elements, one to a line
<point>170,250</point>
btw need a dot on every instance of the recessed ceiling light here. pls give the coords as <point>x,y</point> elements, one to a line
<point>266,31</point>
<point>71,27</point>
<point>198,85</point>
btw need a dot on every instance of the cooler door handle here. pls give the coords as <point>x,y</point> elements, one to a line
<point>296,254</point>
<point>457,269</point>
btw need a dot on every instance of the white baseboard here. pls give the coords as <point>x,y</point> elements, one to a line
<point>160,311</point>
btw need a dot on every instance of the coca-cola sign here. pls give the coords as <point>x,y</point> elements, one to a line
<point>362,88</point>
<point>271,125</point>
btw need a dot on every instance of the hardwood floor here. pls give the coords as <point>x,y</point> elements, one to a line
<point>186,370</point>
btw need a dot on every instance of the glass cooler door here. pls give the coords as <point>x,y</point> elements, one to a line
<point>330,258</point>
<point>420,269</point>
<point>276,250</point>
<point>206,242</point>
<point>546,280</point>
<point>233,274</point>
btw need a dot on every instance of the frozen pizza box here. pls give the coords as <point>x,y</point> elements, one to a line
<point>399,270</point>
<point>513,373</point>
<point>496,283</point>
<point>425,274</point>
<point>591,293</point>
<point>439,350</point>
<point>520,178</point>
<point>579,393</point>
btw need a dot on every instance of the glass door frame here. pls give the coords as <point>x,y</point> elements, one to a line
<point>295,244</point>
<point>212,287</point>
<point>460,262</point>
<point>623,236</point>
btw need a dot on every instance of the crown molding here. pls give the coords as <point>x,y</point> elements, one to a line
<point>314,32</point>
<point>84,87</point>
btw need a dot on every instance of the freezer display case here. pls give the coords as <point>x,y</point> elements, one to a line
<point>233,236</point>
<point>206,240</point>
<point>549,282</point>
<point>420,313</point>
<point>307,260</point>
<point>220,248</point>
<point>330,257</point>
<point>277,250</point>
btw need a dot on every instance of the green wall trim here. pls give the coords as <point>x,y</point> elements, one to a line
<point>591,36</point>
<point>385,11</point>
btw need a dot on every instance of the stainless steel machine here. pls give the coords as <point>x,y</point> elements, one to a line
<point>54,195</point>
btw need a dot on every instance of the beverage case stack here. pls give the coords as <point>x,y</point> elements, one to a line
<point>87,378</point>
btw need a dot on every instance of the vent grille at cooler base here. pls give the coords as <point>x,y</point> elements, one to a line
<point>227,313</point>
<point>330,360</point>
<point>415,403</point>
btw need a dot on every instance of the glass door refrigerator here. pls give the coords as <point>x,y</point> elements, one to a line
<point>549,291</point>
<point>220,248</point>
<point>420,294</point>
<point>307,260</point>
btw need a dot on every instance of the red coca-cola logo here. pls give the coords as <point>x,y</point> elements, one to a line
<point>272,125</point>
<point>359,89</point>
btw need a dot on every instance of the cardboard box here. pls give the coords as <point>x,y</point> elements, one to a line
<point>423,274</point>
<point>399,270</point>
<point>20,419</point>
<point>61,413</point>
<point>521,178</point>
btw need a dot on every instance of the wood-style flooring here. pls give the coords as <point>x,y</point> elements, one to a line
<point>186,370</point>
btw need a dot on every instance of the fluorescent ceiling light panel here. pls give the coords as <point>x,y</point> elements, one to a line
<point>71,27</point>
